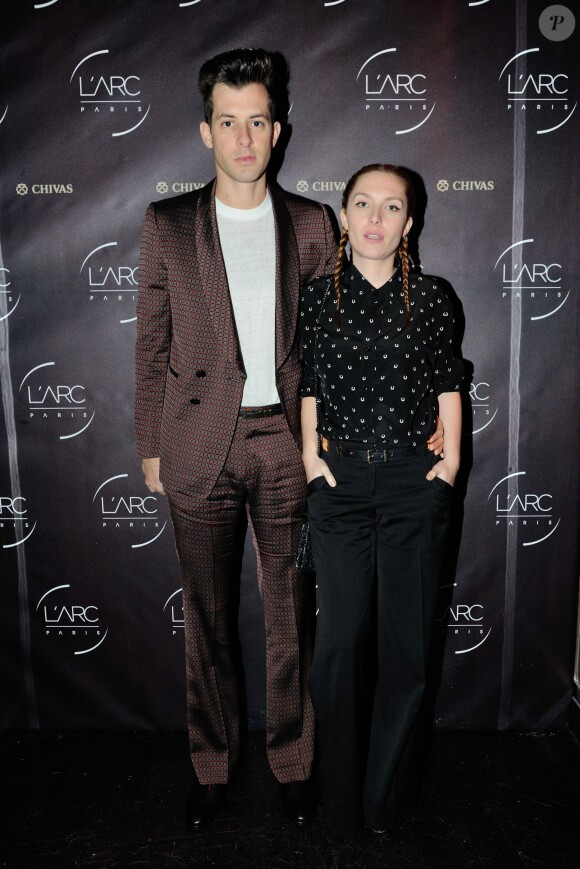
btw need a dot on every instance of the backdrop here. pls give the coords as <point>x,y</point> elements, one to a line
<point>99,115</point>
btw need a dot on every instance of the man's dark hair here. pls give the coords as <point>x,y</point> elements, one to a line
<point>244,66</point>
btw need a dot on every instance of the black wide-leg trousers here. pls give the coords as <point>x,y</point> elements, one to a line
<point>378,542</point>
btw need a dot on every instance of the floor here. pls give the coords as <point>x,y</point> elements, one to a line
<point>117,800</point>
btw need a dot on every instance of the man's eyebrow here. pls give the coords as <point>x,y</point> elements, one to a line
<point>230,115</point>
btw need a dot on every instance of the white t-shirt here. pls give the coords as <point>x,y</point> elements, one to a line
<point>248,243</point>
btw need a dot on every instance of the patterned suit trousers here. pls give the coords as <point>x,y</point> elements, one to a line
<point>262,482</point>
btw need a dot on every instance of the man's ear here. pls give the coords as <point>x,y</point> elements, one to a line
<point>205,132</point>
<point>276,130</point>
<point>343,220</point>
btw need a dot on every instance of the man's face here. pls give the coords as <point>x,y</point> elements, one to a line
<point>241,133</point>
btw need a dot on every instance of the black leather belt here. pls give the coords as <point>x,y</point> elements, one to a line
<point>260,412</point>
<point>373,455</point>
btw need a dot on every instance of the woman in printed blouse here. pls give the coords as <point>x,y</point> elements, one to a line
<point>377,342</point>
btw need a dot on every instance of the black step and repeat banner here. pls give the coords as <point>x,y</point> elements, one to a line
<point>99,115</point>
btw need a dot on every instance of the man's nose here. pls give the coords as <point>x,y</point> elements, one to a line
<point>245,134</point>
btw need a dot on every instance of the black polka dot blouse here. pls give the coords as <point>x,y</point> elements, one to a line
<point>378,378</point>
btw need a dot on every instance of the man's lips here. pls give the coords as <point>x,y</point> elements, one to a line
<point>248,158</point>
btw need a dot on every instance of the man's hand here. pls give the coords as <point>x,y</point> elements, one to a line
<point>435,442</point>
<point>151,474</point>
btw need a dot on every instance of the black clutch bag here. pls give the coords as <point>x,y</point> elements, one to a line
<point>304,560</point>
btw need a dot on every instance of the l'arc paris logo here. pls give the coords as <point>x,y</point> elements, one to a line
<point>8,298</point>
<point>467,629</point>
<point>45,4</point>
<point>109,282</point>
<point>16,526</point>
<point>76,625</point>
<point>184,3</point>
<point>537,281</point>
<point>484,411</point>
<point>114,99</point>
<point>174,608</point>
<point>532,511</point>
<point>134,516</point>
<point>63,406</point>
<point>542,91</point>
<point>399,92</point>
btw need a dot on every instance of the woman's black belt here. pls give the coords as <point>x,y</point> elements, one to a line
<point>375,454</point>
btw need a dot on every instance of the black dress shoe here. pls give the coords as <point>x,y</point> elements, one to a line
<point>204,803</point>
<point>298,800</point>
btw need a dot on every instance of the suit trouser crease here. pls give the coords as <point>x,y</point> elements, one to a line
<point>378,541</point>
<point>262,482</point>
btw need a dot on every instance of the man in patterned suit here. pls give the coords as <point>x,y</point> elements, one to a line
<point>217,417</point>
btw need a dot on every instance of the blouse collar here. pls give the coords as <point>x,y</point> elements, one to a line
<point>352,280</point>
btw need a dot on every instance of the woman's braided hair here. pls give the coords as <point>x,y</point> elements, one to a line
<point>403,251</point>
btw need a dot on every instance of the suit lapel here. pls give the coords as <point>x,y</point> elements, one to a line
<point>287,278</point>
<point>214,280</point>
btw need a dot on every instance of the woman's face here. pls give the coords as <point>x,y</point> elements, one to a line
<point>376,217</point>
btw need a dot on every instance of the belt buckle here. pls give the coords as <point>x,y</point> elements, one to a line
<point>376,456</point>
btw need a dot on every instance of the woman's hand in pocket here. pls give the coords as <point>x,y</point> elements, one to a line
<point>446,469</point>
<point>315,466</point>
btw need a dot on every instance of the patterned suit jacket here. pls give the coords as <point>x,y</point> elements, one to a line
<point>189,368</point>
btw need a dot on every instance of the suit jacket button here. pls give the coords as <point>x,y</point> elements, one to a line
<point>200,373</point>
<point>194,400</point>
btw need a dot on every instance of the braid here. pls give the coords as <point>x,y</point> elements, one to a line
<point>405,267</point>
<point>340,257</point>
